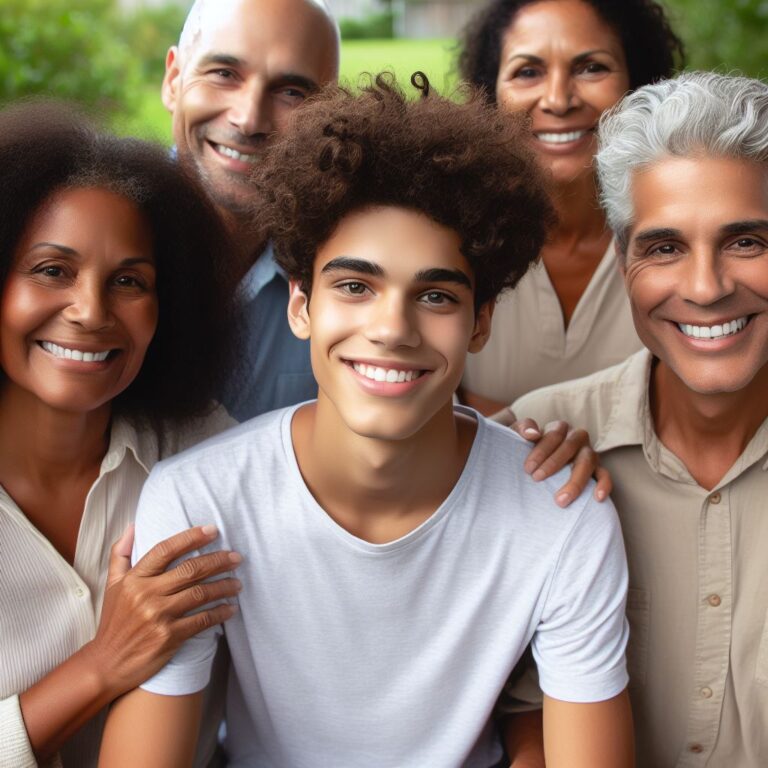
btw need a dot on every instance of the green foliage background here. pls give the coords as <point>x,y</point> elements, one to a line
<point>112,61</point>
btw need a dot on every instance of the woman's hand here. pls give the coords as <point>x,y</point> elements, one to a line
<point>558,445</point>
<point>144,618</point>
<point>142,624</point>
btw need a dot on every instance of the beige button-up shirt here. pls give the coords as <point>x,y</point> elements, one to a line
<point>49,608</point>
<point>698,577</point>
<point>530,347</point>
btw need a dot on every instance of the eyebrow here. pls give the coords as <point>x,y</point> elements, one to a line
<point>437,275</point>
<point>744,227</point>
<point>658,233</point>
<point>284,78</point>
<point>576,59</point>
<point>67,251</point>
<point>365,267</point>
<point>348,264</point>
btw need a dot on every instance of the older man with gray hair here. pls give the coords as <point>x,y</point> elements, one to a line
<point>683,424</point>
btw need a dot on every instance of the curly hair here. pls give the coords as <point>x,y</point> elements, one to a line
<point>653,51</point>
<point>465,166</point>
<point>47,146</point>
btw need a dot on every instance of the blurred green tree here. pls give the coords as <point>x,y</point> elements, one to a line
<point>72,49</point>
<point>726,35</point>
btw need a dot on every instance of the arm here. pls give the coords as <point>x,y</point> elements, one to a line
<point>597,735</point>
<point>168,726</point>
<point>142,623</point>
<point>522,734</point>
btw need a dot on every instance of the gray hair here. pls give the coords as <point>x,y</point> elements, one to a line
<point>694,114</point>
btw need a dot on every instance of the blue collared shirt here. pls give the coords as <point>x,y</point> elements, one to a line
<point>274,370</point>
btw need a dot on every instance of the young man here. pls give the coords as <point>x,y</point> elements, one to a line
<point>683,425</point>
<point>397,558</point>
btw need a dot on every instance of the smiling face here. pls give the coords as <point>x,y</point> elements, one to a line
<point>697,269</point>
<point>242,71</point>
<point>390,320</point>
<point>79,308</point>
<point>565,66</point>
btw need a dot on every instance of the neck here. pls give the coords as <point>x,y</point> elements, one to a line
<point>707,432</point>
<point>46,445</point>
<point>248,240</point>
<point>579,214</point>
<point>379,489</point>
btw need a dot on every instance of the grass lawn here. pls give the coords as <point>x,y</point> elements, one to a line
<point>434,57</point>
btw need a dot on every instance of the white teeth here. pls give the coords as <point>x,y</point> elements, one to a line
<point>235,155</point>
<point>389,375</point>
<point>713,331</point>
<point>560,138</point>
<point>74,354</point>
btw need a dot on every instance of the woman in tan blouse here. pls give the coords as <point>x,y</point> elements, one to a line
<point>565,62</point>
<point>114,331</point>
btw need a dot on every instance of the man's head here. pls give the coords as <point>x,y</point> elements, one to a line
<point>683,167</point>
<point>240,69</point>
<point>399,222</point>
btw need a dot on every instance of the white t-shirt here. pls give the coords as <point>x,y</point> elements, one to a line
<point>348,653</point>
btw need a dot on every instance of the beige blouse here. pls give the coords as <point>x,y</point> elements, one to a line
<point>529,346</point>
<point>48,608</point>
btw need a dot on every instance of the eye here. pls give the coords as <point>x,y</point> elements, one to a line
<point>665,249</point>
<point>592,68</point>
<point>353,288</point>
<point>437,299</point>
<point>53,271</point>
<point>221,74</point>
<point>750,244</point>
<point>130,281</point>
<point>526,73</point>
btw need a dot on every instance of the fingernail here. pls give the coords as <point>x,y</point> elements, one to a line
<point>539,474</point>
<point>601,495</point>
<point>210,530</point>
<point>563,498</point>
<point>531,431</point>
<point>234,557</point>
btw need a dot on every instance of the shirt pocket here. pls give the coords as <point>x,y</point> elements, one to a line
<point>638,616</point>
<point>761,672</point>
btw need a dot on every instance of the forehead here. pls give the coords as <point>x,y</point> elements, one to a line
<point>699,194</point>
<point>562,24</point>
<point>285,35</point>
<point>82,216</point>
<point>399,240</point>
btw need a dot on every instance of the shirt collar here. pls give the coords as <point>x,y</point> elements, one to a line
<point>264,270</point>
<point>630,423</point>
<point>125,439</point>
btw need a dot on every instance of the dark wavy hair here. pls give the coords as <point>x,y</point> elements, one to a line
<point>47,146</point>
<point>653,51</point>
<point>463,165</point>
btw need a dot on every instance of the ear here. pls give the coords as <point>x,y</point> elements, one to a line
<point>482,331</point>
<point>171,79</point>
<point>298,310</point>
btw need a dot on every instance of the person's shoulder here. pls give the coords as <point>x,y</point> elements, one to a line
<point>588,402</point>
<point>231,446</point>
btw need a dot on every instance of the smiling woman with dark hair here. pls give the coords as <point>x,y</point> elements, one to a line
<point>115,331</point>
<point>564,62</point>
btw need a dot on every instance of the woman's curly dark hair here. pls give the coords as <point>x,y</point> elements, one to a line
<point>653,51</point>
<point>463,165</point>
<point>47,146</point>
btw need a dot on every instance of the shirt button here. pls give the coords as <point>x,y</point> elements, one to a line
<point>697,749</point>
<point>79,591</point>
<point>715,498</point>
<point>706,692</point>
<point>714,600</point>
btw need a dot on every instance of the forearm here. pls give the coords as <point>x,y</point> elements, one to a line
<point>523,737</point>
<point>64,700</point>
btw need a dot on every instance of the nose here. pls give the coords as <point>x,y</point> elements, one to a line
<point>89,306</point>
<point>250,111</point>
<point>391,324</point>
<point>559,95</point>
<point>705,279</point>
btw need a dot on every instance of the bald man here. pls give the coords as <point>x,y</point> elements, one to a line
<point>239,71</point>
